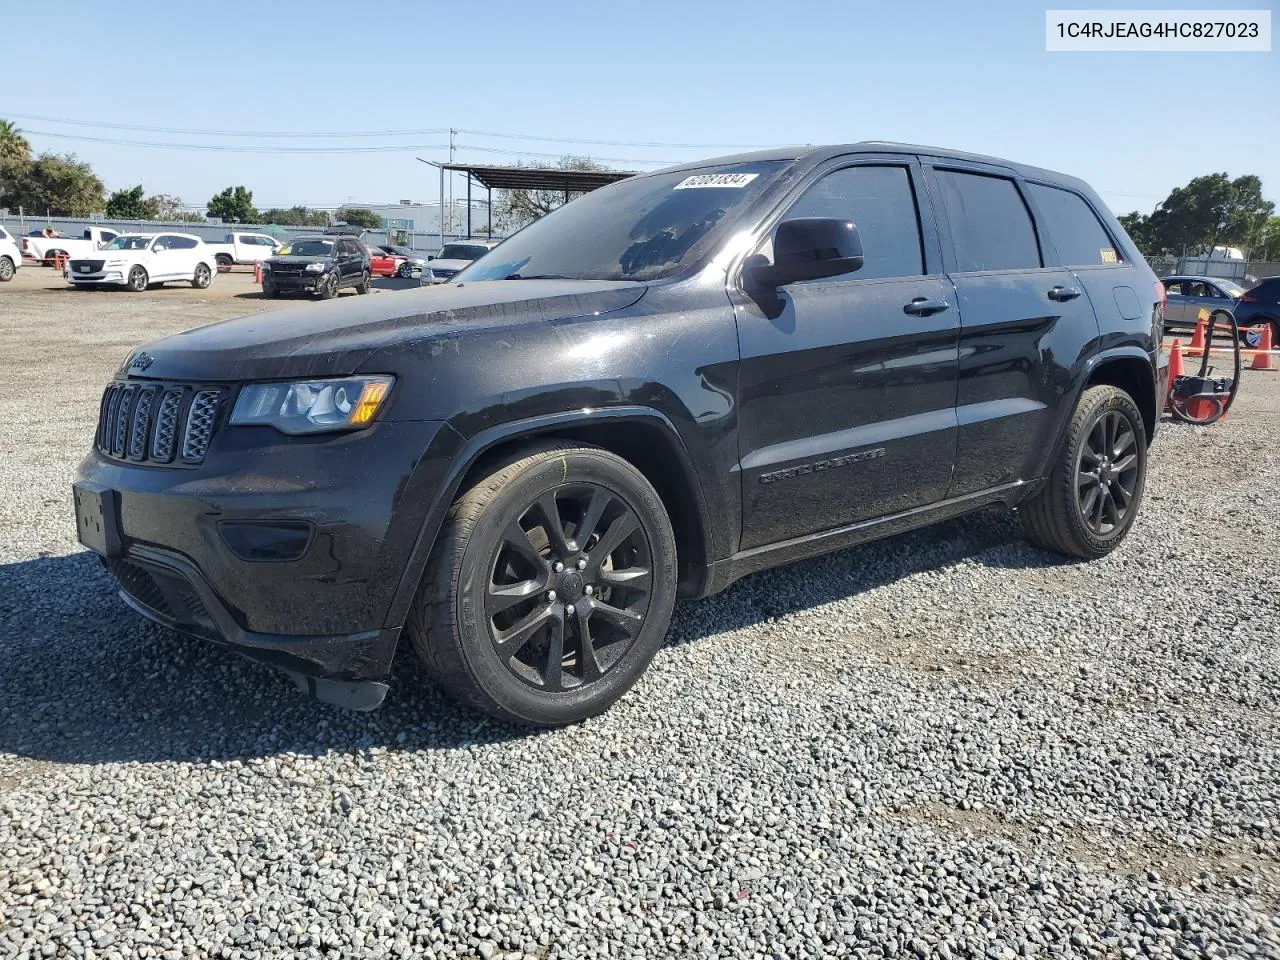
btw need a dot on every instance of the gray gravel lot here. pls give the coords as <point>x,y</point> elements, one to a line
<point>947,744</point>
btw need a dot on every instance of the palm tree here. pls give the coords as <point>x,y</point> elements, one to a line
<point>15,151</point>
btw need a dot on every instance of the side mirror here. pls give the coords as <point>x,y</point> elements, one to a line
<point>809,248</point>
<point>431,256</point>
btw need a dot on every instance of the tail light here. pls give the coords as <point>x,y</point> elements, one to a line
<point>1157,312</point>
<point>1245,298</point>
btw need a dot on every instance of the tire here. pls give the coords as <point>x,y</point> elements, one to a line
<point>202,278</point>
<point>51,256</point>
<point>7,269</point>
<point>269,291</point>
<point>406,271</point>
<point>137,281</point>
<point>330,288</point>
<point>622,598</point>
<point>225,263</point>
<point>363,285</point>
<point>1093,494</point>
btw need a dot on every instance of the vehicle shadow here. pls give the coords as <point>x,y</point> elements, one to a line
<point>378,284</point>
<point>86,680</point>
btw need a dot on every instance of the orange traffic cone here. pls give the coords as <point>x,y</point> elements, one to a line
<point>1175,369</point>
<point>1265,360</point>
<point>257,271</point>
<point>1197,338</point>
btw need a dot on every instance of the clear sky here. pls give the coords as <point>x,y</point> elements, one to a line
<point>704,73</point>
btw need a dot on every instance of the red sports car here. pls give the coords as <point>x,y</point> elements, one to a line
<point>382,264</point>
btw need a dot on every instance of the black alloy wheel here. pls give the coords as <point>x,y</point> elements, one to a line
<point>550,586</point>
<point>1107,473</point>
<point>568,588</point>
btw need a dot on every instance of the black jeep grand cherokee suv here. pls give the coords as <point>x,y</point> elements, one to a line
<point>665,385</point>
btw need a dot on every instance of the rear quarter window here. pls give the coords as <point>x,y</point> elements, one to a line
<point>991,227</point>
<point>1075,229</point>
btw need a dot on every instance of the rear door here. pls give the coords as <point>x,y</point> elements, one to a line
<point>1023,325</point>
<point>846,385</point>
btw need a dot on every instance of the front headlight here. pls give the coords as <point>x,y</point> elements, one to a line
<point>315,268</point>
<point>264,266</point>
<point>312,406</point>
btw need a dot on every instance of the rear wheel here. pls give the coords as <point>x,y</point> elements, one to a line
<point>137,280</point>
<point>224,262</point>
<point>1091,498</point>
<point>550,587</point>
<point>203,277</point>
<point>6,269</point>
<point>363,285</point>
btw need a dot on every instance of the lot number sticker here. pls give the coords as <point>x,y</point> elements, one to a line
<point>734,181</point>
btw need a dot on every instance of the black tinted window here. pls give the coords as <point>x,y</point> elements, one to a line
<point>990,225</point>
<point>1076,231</point>
<point>882,204</point>
<point>181,243</point>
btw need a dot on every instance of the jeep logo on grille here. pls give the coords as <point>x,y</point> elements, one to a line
<point>141,361</point>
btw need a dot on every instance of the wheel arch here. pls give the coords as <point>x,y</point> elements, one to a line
<point>1130,371</point>
<point>642,436</point>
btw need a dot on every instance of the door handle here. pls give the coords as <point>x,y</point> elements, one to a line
<point>1062,294</point>
<point>923,306</point>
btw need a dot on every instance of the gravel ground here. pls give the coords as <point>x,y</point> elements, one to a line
<point>947,744</point>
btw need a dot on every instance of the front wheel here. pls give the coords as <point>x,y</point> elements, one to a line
<point>203,277</point>
<point>405,272</point>
<point>224,262</point>
<point>550,587</point>
<point>329,286</point>
<point>137,280</point>
<point>6,269</point>
<point>1091,498</point>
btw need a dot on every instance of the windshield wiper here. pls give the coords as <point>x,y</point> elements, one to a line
<point>536,276</point>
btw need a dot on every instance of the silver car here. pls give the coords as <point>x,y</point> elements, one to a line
<point>1186,296</point>
<point>453,257</point>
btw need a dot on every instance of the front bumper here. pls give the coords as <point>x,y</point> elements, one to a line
<point>104,278</point>
<point>324,613</point>
<point>294,283</point>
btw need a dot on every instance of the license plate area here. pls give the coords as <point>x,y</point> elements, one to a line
<point>97,518</point>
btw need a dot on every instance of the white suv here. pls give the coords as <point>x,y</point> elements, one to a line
<point>10,256</point>
<point>137,260</point>
<point>453,257</point>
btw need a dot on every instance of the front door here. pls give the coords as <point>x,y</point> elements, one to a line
<point>846,385</point>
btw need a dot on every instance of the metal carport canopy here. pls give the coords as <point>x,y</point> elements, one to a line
<point>526,178</point>
<point>539,178</point>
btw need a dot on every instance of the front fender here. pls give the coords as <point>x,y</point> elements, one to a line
<point>470,449</point>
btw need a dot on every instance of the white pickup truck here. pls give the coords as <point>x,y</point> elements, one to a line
<point>49,243</point>
<point>242,248</point>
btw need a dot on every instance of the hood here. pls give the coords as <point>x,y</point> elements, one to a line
<point>334,338</point>
<point>439,264</point>
<point>301,261</point>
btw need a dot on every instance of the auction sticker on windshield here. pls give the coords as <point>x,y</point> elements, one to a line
<point>735,180</point>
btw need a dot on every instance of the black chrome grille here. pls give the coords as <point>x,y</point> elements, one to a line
<point>95,266</point>
<point>158,422</point>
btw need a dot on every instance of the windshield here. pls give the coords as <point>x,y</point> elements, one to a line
<point>311,248</point>
<point>644,228</point>
<point>402,251</point>
<point>1230,289</point>
<point>128,243</point>
<point>461,251</point>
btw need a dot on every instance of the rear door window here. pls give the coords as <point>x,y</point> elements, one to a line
<point>1075,229</point>
<point>880,201</point>
<point>991,228</point>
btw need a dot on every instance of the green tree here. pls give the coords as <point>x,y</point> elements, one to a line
<point>234,204</point>
<point>1269,243</point>
<point>296,216</point>
<point>61,186</point>
<point>1135,225</point>
<point>130,204</point>
<point>516,208</point>
<point>359,217</point>
<point>169,207</point>
<point>1211,210</point>
<point>15,152</point>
